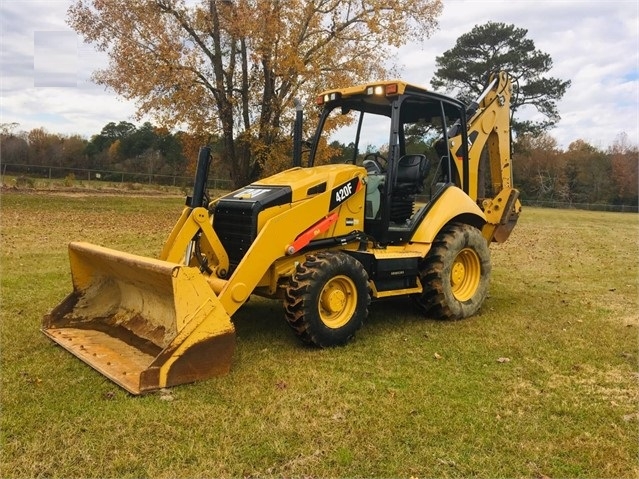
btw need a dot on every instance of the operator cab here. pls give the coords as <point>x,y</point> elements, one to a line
<point>398,133</point>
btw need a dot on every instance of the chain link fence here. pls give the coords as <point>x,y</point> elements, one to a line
<point>99,175</point>
<point>107,176</point>
<point>581,206</point>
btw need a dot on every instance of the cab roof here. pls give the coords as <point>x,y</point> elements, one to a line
<point>377,97</point>
<point>384,87</point>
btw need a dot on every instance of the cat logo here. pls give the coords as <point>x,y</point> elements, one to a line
<point>250,193</point>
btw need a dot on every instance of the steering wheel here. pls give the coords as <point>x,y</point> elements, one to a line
<point>373,163</point>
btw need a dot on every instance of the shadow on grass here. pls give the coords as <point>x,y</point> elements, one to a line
<point>261,321</point>
<point>395,312</point>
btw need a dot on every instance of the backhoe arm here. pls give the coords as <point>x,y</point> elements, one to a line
<point>489,137</point>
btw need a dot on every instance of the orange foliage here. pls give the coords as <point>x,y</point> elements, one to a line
<point>233,68</point>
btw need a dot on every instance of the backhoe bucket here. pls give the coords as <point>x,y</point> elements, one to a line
<point>143,323</point>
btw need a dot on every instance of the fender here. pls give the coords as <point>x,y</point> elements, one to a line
<point>452,204</point>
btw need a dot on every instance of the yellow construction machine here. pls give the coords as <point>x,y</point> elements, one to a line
<point>414,188</point>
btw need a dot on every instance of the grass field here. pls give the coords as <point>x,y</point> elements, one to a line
<point>543,383</point>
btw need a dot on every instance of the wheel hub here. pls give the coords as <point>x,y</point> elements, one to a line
<point>458,273</point>
<point>334,300</point>
<point>337,301</point>
<point>465,274</point>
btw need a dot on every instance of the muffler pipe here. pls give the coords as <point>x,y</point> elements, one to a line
<point>201,178</point>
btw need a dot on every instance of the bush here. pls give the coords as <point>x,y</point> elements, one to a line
<point>69,180</point>
<point>25,182</point>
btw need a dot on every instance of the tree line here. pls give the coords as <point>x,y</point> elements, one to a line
<point>119,147</point>
<point>582,173</point>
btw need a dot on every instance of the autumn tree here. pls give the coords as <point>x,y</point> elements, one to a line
<point>624,159</point>
<point>104,148</point>
<point>464,69</point>
<point>588,173</point>
<point>232,68</point>
<point>190,144</point>
<point>14,147</point>
<point>44,147</point>
<point>113,153</point>
<point>539,172</point>
<point>72,151</point>
<point>7,129</point>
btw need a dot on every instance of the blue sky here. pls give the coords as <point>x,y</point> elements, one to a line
<point>45,67</point>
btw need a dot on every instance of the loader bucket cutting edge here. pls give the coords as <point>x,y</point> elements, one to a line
<point>143,323</point>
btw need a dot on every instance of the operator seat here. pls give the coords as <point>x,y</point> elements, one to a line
<point>411,172</point>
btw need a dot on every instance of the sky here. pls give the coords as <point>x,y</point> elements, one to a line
<point>45,67</point>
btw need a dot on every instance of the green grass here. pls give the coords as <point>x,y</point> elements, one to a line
<point>562,310</point>
<point>71,183</point>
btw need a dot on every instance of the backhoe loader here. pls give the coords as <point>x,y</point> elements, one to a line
<point>404,205</point>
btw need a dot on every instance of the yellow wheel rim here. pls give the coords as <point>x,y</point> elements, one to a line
<point>337,301</point>
<point>465,274</point>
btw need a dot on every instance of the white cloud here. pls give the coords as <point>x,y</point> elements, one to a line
<point>595,44</point>
<point>46,71</point>
<point>55,58</point>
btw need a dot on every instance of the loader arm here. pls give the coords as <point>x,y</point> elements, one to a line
<point>194,228</point>
<point>194,222</point>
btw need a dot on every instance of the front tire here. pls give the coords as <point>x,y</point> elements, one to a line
<point>455,273</point>
<point>327,299</point>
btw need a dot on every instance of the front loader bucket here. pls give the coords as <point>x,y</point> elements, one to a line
<point>143,323</point>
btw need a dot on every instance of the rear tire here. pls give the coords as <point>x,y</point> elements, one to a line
<point>455,274</point>
<point>327,299</point>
